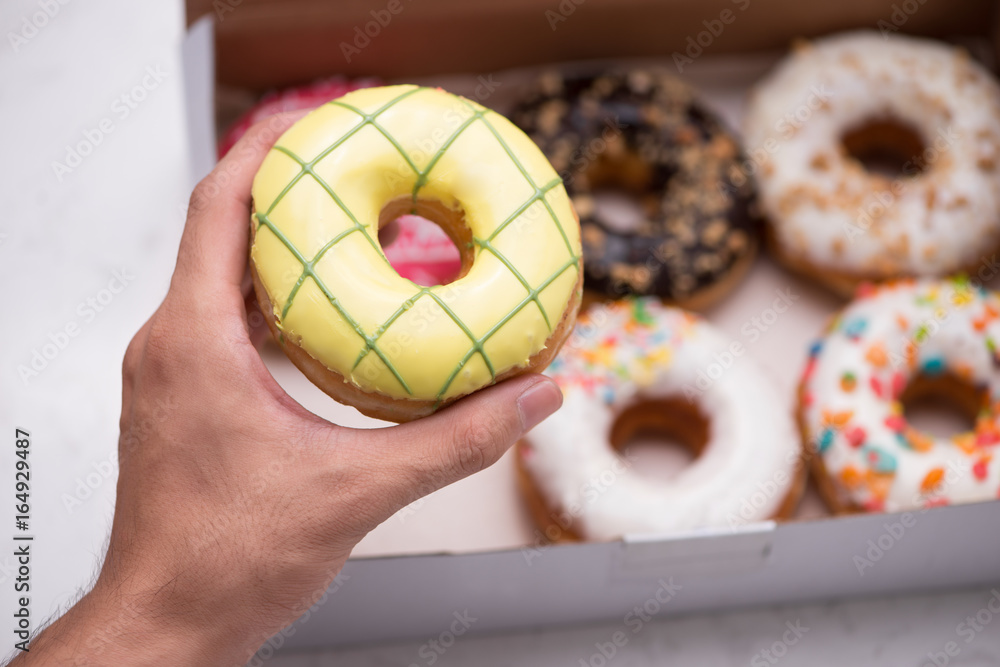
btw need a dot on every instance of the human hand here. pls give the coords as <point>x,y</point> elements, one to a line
<point>237,507</point>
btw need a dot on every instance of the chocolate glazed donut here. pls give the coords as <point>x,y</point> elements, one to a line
<point>645,133</point>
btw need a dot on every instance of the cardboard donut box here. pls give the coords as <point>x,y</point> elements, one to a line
<point>468,558</point>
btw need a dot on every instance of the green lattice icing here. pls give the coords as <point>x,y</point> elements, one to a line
<point>318,196</point>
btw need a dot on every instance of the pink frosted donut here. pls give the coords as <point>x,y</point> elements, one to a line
<point>421,251</point>
<point>308,96</point>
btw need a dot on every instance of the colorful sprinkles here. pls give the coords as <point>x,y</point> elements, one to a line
<point>854,381</point>
<point>620,342</point>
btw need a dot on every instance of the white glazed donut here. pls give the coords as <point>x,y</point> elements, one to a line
<point>904,339</point>
<point>831,218</point>
<point>638,364</point>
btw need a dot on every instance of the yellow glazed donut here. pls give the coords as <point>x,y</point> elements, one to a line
<point>391,348</point>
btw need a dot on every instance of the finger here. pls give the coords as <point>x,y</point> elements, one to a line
<point>411,460</point>
<point>213,248</point>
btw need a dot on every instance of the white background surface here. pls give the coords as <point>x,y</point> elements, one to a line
<point>120,210</point>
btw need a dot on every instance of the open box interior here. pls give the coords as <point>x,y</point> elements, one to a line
<point>474,543</point>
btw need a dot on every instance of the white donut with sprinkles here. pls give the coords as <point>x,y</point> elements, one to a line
<point>925,112</point>
<point>908,339</point>
<point>630,367</point>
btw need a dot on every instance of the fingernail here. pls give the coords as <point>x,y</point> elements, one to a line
<point>538,402</point>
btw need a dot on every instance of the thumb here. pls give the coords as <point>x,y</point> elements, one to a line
<point>213,247</point>
<point>422,456</point>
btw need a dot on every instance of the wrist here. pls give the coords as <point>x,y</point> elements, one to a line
<point>108,627</point>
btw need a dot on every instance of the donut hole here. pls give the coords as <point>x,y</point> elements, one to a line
<point>941,406</point>
<point>423,241</point>
<point>886,147</point>
<point>618,210</point>
<point>620,191</point>
<point>659,438</point>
